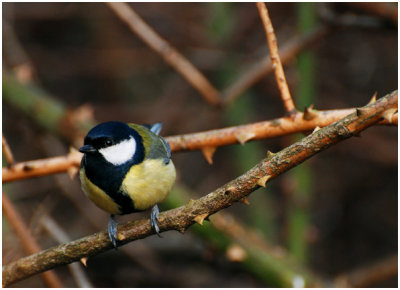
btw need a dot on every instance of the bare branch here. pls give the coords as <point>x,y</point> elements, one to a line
<point>367,276</point>
<point>27,240</point>
<point>263,66</point>
<point>181,218</point>
<point>275,58</point>
<point>7,152</point>
<point>167,51</point>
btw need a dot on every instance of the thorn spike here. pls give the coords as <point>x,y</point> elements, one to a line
<point>243,137</point>
<point>84,261</point>
<point>373,99</point>
<point>200,218</point>
<point>245,200</point>
<point>388,114</point>
<point>263,180</point>
<point>208,153</point>
<point>316,129</point>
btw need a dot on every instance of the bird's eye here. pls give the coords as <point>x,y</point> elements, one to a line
<point>109,142</point>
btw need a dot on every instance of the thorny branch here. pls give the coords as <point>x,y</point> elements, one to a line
<point>181,218</point>
<point>206,140</point>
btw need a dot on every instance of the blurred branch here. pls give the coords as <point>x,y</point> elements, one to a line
<point>181,218</point>
<point>167,51</point>
<point>27,240</point>
<point>367,276</point>
<point>61,236</point>
<point>271,264</point>
<point>298,122</point>
<point>263,67</point>
<point>7,151</point>
<point>49,113</point>
<point>275,58</point>
<point>381,9</point>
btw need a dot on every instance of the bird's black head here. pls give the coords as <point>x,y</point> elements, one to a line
<point>115,141</point>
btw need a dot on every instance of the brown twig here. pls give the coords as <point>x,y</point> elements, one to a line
<point>263,67</point>
<point>276,61</point>
<point>169,53</point>
<point>7,151</point>
<point>42,167</point>
<point>181,218</point>
<point>367,276</point>
<point>61,236</point>
<point>382,9</point>
<point>27,240</point>
<point>298,122</point>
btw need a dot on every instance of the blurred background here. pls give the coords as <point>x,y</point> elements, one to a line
<point>332,219</point>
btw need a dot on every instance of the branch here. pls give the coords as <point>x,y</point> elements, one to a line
<point>264,66</point>
<point>369,275</point>
<point>275,58</point>
<point>167,51</point>
<point>7,152</point>
<point>298,122</point>
<point>181,218</point>
<point>27,240</point>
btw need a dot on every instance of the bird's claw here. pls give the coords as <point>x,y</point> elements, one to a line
<point>112,230</point>
<point>154,217</point>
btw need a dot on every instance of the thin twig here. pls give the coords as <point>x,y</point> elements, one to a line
<point>298,122</point>
<point>368,276</point>
<point>27,240</point>
<point>381,9</point>
<point>167,51</point>
<point>181,218</point>
<point>263,67</point>
<point>61,236</point>
<point>7,152</point>
<point>276,61</point>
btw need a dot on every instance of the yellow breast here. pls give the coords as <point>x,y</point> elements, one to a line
<point>149,182</point>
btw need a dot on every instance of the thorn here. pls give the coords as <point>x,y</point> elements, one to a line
<point>270,154</point>
<point>84,261</point>
<point>316,129</point>
<point>245,200</point>
<point>263,180</point>
<point>190,203</point>
<point>208,153</point>
<point>200,218</point>
<point>236,253</point>
<point>361,112</point>
<point>388,114</point>
<point>244,137</point>
<point>309,113</point>
<point>182,230</point>
<point>373,99</point>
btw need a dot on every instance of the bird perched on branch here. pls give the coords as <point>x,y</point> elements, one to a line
<point>126,168</point>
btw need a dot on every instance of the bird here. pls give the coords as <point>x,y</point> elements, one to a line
<point>126,168</point>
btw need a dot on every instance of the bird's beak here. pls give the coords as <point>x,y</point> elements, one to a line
<point>87,149</point>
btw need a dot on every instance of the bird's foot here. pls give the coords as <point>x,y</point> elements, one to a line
<point>112,230</point>
<point>154,215</point>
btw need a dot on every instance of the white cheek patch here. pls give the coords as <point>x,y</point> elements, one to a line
<point>119,153</point>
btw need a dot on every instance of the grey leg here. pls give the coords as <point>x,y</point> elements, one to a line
<point>112,230</point>
<point>155,212</point>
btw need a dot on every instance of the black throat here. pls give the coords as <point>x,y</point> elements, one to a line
<point>109,177</point>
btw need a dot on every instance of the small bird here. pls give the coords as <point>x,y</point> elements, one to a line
<point>126,168</point>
